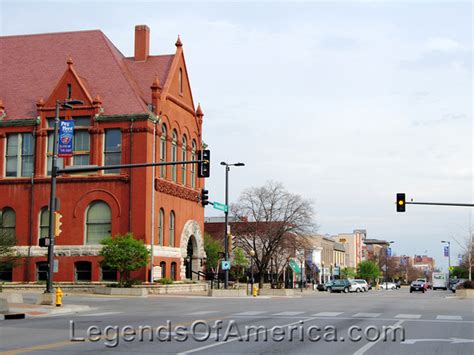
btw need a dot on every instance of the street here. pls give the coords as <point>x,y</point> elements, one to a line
<point>433,322</point>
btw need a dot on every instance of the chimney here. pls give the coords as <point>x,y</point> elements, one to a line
<point>142,42</point>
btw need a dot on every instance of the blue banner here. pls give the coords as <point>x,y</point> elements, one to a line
<point>65,141</point>
<point>446,251</point>
<point>389,251</point>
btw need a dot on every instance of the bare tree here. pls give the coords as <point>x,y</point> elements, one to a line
<point>467,247</point>
<point>273,220</point>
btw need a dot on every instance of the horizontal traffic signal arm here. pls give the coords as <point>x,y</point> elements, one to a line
<point>440,204</point>
<point>92,168</point>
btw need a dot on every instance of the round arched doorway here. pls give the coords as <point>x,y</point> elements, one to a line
<point>188,261</point>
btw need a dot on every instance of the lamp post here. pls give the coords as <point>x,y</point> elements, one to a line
<point>52,196</point>
<point>226,213</point>
<point>252,254</point>
<point>449,258</point>
<point>386,264</point>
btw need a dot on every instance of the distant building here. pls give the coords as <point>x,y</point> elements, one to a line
<point>353,244</point>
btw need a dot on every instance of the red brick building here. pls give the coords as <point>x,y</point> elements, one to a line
<point>135,110</point>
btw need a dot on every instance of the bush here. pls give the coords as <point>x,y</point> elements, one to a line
<point>165,281</point>
<point>467,284</point>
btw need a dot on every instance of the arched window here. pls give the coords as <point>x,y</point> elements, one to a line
<point>183,158</point>
<point>44,223</point>
<point>161,219</point>
<point>8,222</point>
<point>163,269</point>
<point>173,271</point>
<point>171,234</point>
<point>163,151</point>
<point>98,222</point>
<point>193,166</point>
<point>174,155</point>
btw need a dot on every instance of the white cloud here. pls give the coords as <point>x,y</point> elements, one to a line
<point>443,44</point>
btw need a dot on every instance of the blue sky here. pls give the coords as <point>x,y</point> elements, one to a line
<point>346,103</point>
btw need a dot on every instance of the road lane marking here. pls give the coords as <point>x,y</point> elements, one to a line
<point>239,338</point>
<point>450,340</point>
<point>366,315</point>
<point>442,317</point>
<point>367,346</point>
<point>99,314</point>
<point>249,313</point>
<point>200,313</point>
<point>408,316</point>
<point>287,313</point>
<point>328,314</point>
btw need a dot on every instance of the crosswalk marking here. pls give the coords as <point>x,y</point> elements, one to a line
<point>287,313</point>
<point>442,317</point>
<point>98,314</point>
<point>408,316</point>
<point>249,313</point>
<point>366,315</point>
<point>202,312</point>
<point>327,314</point>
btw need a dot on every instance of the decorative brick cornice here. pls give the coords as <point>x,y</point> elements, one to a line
<point>172,189</point>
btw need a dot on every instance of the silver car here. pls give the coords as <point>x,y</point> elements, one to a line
<point>363,283</point>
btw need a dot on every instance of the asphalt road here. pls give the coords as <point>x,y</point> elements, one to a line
<point>431,323</point>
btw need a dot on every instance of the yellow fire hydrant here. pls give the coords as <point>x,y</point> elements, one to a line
<point>254,291</point>
<point>59,296</point>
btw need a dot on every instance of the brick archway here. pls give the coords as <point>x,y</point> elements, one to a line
<point>192,232</point>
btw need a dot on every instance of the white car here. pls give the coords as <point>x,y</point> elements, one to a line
<point>363,283</point>
<point>388,286</point>
<point>356,287</point>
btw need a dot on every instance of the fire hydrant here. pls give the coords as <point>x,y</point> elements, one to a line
<point>59,296</point>
<point>254,291</point>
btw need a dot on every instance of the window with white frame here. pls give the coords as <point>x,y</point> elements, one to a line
<point>171,234</point>
<point>113,149</point>
<point>183,158</point>
<point>193,166</point>
<point>44,223</point>
<point>19,155</point>
<point>174,155</point>
<point>163,151</point>
<point>81,145</point>
<point>161,220</point>
<point>8,222</point>
<point>98,222</point>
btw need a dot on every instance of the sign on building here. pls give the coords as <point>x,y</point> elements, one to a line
<point>66,136</point>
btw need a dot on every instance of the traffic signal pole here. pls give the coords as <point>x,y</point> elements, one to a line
<point>226,214</point>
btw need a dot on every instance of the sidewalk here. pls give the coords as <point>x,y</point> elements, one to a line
<point>33,310</point>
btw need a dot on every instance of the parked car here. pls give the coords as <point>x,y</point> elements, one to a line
<point>364,284</point>
<point>340,286</point>
<point>417,286</point>
<point>356,287</point>
<point>324,287</point>
<point>398,284</point>
<point>388,286</point>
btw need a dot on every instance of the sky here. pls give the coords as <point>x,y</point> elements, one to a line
<point>344,103</point>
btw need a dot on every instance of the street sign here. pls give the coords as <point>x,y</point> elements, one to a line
<point>225,265</point>
<point>294,266</point>
<point>220,206</point>
<point>66,135</point>
<point>56,265</point>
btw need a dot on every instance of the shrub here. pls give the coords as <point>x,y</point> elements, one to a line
<point>165,281</point>
<point>467,284</point>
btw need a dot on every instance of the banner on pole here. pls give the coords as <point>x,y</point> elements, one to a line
<point>446,251</point>
<point>65,141</point>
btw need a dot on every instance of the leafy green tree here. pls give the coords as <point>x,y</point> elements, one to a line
<point>8,255</point>
<point>212,248</point>
<point>124,254</point>
<point>368,270</point>
<point>459,272</point>
<point>348,273</point>
<point>240,262</point>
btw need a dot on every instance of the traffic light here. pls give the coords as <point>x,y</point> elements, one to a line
<point>57,223</point>
<point>204,168</point>
<point>401,203</point>
<point>204,197</point>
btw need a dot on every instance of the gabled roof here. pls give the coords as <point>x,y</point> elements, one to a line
<point>32,65</point>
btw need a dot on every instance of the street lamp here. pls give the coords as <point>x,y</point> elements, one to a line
<point>386,264</point>
<point>52,198</point>
<point>449,258</point>
<point>226,213</point>
<point>252,254</point>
